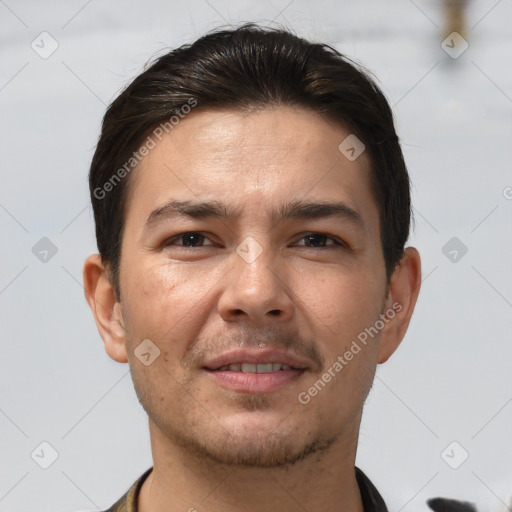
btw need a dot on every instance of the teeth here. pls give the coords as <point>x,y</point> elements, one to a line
<point>254,368</point>
<point>264,368</point>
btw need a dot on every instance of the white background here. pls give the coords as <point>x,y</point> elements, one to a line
<point>451,379</point>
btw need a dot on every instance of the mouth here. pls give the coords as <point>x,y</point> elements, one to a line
<point>255,368</point>
<point>248,372</point>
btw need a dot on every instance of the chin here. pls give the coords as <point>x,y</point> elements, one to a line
<point>252,446</point>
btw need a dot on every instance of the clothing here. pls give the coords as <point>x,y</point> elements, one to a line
<point>372,500</point>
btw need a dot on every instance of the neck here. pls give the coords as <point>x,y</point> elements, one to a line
<point>324,481</point>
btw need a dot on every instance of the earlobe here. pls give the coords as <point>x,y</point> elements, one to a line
<point>100,295</point>
<point>403,294</point>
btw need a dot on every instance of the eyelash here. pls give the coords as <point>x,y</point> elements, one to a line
<point>337,242</point>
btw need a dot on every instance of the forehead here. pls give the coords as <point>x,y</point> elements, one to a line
<point>259,138</point>
<point>252,162</point>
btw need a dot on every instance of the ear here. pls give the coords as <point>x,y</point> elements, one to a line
<point>403,292</point>
<point>106,310</point>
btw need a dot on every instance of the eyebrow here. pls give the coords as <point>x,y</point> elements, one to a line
<point>297,209</point>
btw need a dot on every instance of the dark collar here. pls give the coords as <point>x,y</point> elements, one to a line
<point>372,500</point>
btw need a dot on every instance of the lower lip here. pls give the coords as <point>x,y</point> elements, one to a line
<point>255,382</point>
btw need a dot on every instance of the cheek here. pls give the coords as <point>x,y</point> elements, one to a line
<point>163,300</point>
<point>340,303</point>
<point>341,306</point>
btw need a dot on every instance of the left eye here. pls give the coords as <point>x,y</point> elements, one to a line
<point>319,238</point>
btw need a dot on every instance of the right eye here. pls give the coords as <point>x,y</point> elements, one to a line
<point>189,239</point>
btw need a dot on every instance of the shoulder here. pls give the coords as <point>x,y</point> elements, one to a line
<point>127,502</point>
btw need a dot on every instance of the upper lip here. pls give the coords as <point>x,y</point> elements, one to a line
<point>255,357</point>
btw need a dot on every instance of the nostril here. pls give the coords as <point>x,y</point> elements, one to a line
<point>274,312</point>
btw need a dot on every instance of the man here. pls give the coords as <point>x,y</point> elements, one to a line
<point>252,205</point>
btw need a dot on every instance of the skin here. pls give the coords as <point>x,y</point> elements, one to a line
<point>219,449</point>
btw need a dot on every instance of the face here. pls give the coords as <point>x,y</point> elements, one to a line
<point>251,242</point>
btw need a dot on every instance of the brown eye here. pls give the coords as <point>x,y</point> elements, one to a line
<point>189,239</point>
<point>320,241</point>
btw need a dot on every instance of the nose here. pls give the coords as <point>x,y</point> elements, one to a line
<point>257,290</point>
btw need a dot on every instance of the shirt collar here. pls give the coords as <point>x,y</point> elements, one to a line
<point>372,500</point>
